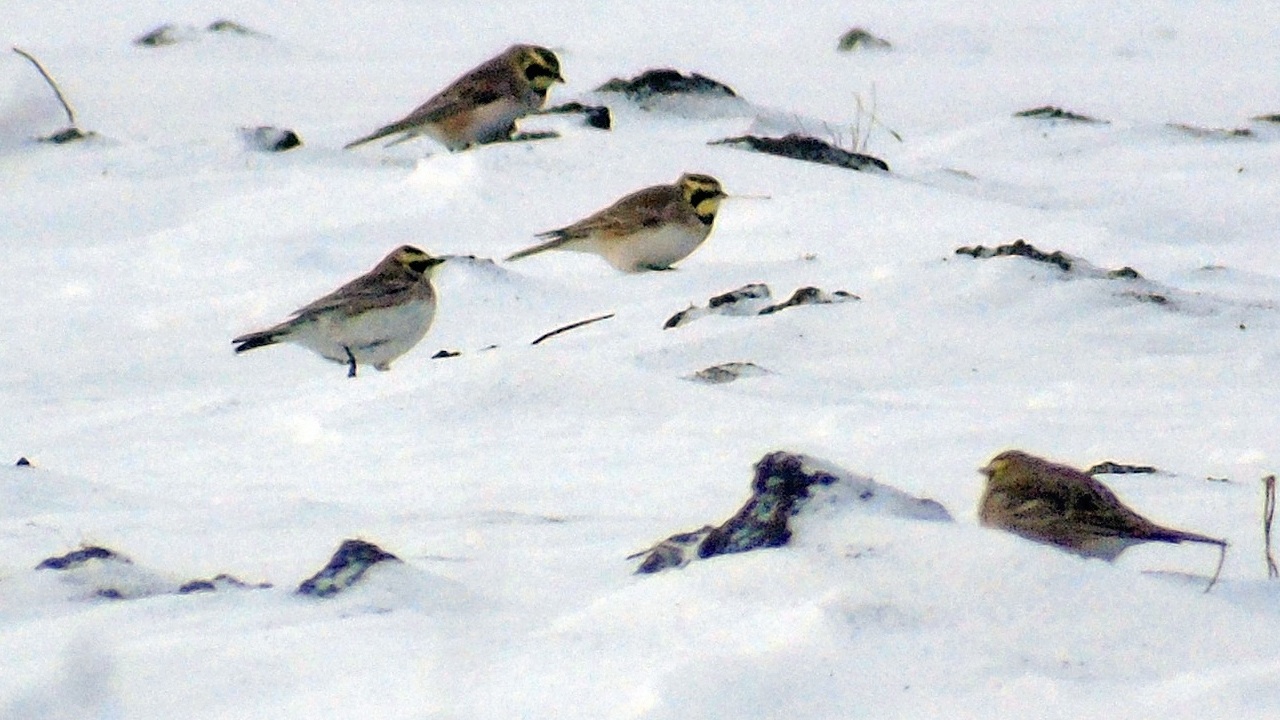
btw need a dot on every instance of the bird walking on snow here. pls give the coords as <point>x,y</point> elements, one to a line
<point>1059,505</point>
<point>483,105</point>
<point>650,229</point>
<point>371,320</point>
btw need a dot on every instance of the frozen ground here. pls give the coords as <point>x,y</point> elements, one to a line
<point>514,481</point>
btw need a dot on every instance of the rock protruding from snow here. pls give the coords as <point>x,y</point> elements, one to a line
<point>1211,133</point>
<point>596,116</point>
<point>670,91</point>
<point>728,372</point>
<point>1108,467</point>
<point>1064,262</point>
<point>99,572</point>
<point>810,296</point>
<point>787,485</point>
<point>666,81</point>
<point>345,568</point>
<point>862,39</point>
<point>221,581</point>
<point>78,558</point>
<point>267,138</point>
<point>809,149</point>
<point>172,34</point>
<point>754,299</point>
<point>1052,112</point>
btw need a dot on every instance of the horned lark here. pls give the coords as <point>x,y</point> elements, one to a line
<point>373,319</point>
<point>650,229</point>
<point>483,105</point>
<point>1059,505</point>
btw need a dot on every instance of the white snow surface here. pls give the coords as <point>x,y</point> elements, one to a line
<point>514,481</point>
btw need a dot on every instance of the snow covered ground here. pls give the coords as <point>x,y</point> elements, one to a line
<point>514,480</point>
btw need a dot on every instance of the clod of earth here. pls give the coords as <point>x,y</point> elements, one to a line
<point>1207,133</point>
<point>218,582</point>
<point>810,296</point>
<point>71,134</point>
<point>727,373</point>
<point>665,81</point>
<point>76,558</point>
<point>754,299</point>
<point>1051,112</point>
<point>270,139</point>
<point>596,116</point>
<point>862,39</point>
<point>809,149</point>
<point>345,568</point>
<point>1108,467</point>
<point>786,485</point>
<point>1020,248</point>
<point>172,34</point>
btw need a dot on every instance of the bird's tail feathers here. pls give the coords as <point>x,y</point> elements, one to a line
<point>376,135</point>
<point>1178,536</point>
<point>557,239</point>
<point>257,339</point>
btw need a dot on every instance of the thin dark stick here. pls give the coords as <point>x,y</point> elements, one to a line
<point>570,326</point>
<point>71,116</point>
<point>1268,515</point>
<point>1222,557</point>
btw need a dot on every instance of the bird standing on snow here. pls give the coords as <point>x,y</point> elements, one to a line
<point>1059,505</point>
<point>650,229</point>
<point>373,319</point>
<point>483,105</point>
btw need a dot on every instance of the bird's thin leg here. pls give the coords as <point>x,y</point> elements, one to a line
<point>351,362</point>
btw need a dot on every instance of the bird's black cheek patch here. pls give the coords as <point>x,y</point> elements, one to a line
<point>533,72</point>
<point>700,196</point>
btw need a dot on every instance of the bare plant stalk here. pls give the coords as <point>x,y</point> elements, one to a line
<point>861,136</point>
<point>1268,515</point>
<point>570,326</point>
<point>71,115</point>
<point>1222,557</point>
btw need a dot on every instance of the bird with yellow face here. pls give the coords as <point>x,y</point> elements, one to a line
<point>1059,505</point>
<point>650,229</point>
<point>371,320</point>
<point>483,105</point>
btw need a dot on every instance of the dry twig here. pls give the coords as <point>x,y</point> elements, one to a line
<point>71,116</point>
<point>570,326</point>
<point>1269,514</point>
<point>72,132</point>
<point>1222,557</point>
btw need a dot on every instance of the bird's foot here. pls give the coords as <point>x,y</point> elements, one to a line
<point>351,362</point>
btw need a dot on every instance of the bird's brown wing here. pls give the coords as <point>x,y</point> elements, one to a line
<point>380,288</point>
<point>642,209</point>
<point>486,83</point>
<point>489,82</point>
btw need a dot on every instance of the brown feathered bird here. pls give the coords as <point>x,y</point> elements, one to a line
<point>1059,505</point>
<point>650,229</point>
<point>483,105</point>
<point>372,320</point>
